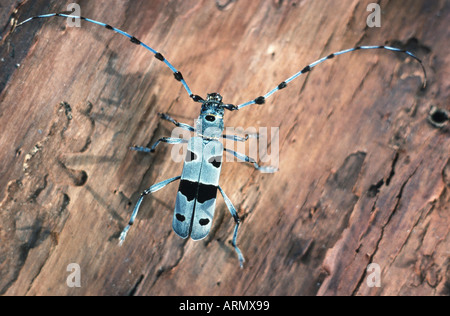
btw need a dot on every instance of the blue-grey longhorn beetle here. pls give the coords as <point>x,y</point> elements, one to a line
<point>196,197</point>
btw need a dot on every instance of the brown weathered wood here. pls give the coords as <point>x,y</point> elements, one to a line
<point>364,177</point>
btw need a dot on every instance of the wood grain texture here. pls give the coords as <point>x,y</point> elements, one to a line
<point>364,178</point>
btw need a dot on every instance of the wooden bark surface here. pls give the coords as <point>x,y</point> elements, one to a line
<point>364,177</point>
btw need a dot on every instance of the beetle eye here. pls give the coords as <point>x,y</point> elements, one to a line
<point>210,118</point>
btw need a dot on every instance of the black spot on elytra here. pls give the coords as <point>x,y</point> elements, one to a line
<point>190,156</point>
<point>206,192</point>
<point>216,161</point>
<point>188,189</point>
<point>204,221</point>
<point>180,217</point>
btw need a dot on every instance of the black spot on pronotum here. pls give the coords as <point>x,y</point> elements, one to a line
<point>438,117</point>
<point>180,217</point>
<point>210,118</point>
<point>204,221</point>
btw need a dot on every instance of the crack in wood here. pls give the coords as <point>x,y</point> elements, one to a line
<point>397,204</point>
<point>133,290</point>
<point>393,165</point>
<point>223,6</point>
